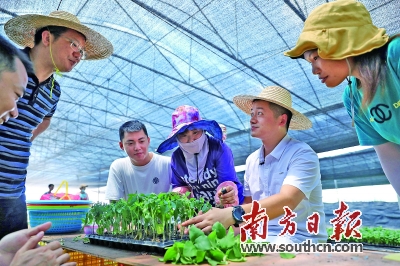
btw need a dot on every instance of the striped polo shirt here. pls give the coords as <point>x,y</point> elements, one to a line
<point>16,133</point>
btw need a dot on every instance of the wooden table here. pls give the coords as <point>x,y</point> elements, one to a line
<point>367,258</point>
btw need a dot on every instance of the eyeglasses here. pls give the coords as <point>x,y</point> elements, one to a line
<point>76,47</point>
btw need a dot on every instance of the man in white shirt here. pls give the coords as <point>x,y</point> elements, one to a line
<point>283,172</point>
<point>141,171</point>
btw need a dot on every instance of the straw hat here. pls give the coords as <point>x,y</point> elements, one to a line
<point>83,186</point>
<point>279,96</point>
<point>22,31</point>
<point>339,29</point>
<point>188,117</point>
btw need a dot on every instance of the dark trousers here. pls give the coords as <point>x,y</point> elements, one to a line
<point>13,216</point>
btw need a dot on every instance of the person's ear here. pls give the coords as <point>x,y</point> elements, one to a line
<point>284,118</point>
<point>46,37</point>
<point>121,145</point>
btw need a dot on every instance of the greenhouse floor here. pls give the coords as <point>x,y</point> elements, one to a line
<point>126,257</point>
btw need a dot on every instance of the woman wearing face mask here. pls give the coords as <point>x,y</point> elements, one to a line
<point>202,164</point>
<point>339,40</point>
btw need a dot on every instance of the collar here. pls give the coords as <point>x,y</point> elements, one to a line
<point>26,51</point>
<point>277,152</point>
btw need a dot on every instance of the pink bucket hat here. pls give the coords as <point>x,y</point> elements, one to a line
<point>184,118</point>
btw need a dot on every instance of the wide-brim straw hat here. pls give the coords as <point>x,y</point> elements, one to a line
<point>22,31</point>
<point>279,96</point>
<point>184,118</point>
<point>339,29</point>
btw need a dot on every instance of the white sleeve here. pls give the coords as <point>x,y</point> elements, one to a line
<point>304,171</point>
<point>114,188</point>
<point>389,156</point>
<point>246,186</point>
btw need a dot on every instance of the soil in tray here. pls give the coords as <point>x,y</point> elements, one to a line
<point>147,246</point>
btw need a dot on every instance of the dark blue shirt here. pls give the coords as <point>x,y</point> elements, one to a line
<point>16,133</point>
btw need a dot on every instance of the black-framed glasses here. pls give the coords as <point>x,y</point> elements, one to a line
<point>76,47</point>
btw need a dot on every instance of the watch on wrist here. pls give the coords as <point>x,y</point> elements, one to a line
<point>237,213</point>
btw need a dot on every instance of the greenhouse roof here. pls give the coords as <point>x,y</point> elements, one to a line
<point>200,53</point>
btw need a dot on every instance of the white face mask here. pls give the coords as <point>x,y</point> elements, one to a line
<point>195,146</point>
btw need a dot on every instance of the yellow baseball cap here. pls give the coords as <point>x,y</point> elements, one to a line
<point>338,30</point>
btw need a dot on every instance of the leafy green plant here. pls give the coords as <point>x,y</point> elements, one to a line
<point>77,238</point>
<point>145,216</point>
<point>85,240</point>
<point>285,255</point>
<point>218,247</point>
<point>374,235</point>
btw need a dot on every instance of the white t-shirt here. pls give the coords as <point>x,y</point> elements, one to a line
<point>294,163</point>
<point>125,178</point>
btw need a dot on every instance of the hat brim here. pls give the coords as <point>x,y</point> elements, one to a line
<point>339,43</point>
<point>298,121</point>
<point>22,29</point>
<point>211,126</point>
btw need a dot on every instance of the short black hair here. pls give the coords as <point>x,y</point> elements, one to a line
<point>50,185</point>
<point>279,110</point>
<point>132,126</point>
<point>8,55</point>
<point>55,30</point>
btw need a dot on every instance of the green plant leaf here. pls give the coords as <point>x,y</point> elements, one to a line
<point>179,248</point>
<point>219,229</point>
<point>230,254</point>
<point>189,250</point>
<point>211,261</point>
<point>77,238</point>
<point>200,256</point>
<point>217,255</point>
<point>242,259</point>
<point>202,243</point>
<point>237,251</point>
<point>213,239</point>
<point>285,255</point>
<point>227,242</point>
<point>170,254</point>
<point>194,233</point>
<point>186,260</point>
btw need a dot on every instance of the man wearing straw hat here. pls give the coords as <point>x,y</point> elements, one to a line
<point>283,172</point>
<point>54,43</point>
<point>20,248</point>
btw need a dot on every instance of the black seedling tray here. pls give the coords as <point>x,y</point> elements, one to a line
<point>155,247</point>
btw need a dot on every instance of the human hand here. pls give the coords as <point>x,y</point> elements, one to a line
<point>205,221</point>
<point>49,255</point>
<point>13,243</point>
<point>226,195</point>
